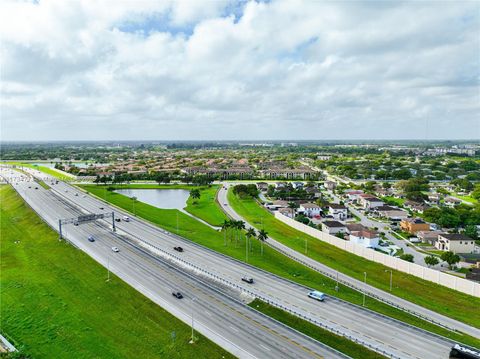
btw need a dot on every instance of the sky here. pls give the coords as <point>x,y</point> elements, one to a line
<point>238,70</point>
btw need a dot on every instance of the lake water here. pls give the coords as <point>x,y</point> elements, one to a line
<point>161,198</point>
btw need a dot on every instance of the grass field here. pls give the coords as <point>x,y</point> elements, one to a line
<point>337,342</point>
<point>427,294</point>
<point>56,303</point>
<point>43,184</point>
<point>271,260</point>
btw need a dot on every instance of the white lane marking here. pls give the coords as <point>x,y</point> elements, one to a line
<point>264,347</point>
<point>233,328</point>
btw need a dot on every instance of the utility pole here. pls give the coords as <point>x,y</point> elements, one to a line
<point>134,199</point>
<point>336,286</point>
<point>246,249</point>
<point>364,289</point>
<point>177,222</point>
<point>391,277</point>
<point>193,339</point>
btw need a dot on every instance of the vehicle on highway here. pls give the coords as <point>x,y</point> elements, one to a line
<point>461,351</point>
<point>76,194</point>
<point>315,294</point>
<point>29,186</point>
<point>75,223</point>
<point>36,187</point>
<point>84,196</point>
<point>102,208</point>
<point>177,295</point>
<point>115,249</point>
<point>90,238</point>
<point>117,219</point>
<point>248,280</point>
<point>126,218</point>
<point>66,190</point>
<point>178,249</point>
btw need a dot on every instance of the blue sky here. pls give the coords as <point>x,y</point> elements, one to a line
<point>193,70</point>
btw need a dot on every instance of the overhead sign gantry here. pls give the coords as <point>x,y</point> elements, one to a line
<point>87,218</point>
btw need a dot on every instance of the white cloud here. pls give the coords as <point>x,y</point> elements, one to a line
<point>193,70</point>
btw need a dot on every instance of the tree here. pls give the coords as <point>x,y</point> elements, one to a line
<point>262,237</point>
<point>451,258</point>
<point>431,261</point>
<point>225,226</point>
<point>471,231</point>
<point>407,257</point>
<point>293,206</point>
<point>195,194</point>
<point>250,234</point>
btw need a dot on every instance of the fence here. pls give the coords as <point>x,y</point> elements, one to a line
<point>432,275</point>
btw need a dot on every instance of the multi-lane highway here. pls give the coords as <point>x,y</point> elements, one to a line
<point>386,335</point>
<point>223,318</point>
<point>355,283</point>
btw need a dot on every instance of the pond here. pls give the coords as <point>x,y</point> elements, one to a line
<point>161,198</point>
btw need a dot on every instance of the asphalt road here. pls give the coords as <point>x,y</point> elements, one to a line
<point>224,319</point>
<point>392,337</point>
<point>438,318</point>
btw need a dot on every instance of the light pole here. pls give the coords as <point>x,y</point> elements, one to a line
<point>306,245</point>
<point>364,289</point>
<point>246,249</point>
<point>108,269</point>
<point>134,199</point>
<point>391,277</point>
<point>337,287</point>
<point>177,221</point>
<point>192,340</point>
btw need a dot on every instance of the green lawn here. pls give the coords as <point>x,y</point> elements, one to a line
<point>322,335</point>
<point>271,260</point>
<point>56,303</point>
<point>430,295</point>
<point>393,201</point>
<point>466,198</point>
<point>206,207</point>
<point>46,170</point>
<point>43,184</point>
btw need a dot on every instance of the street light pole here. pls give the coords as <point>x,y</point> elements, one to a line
<point>306,245</point>
<point>192,340</point>
<point>364,289</point>
<point>391,277</point>
<point>108,269</point>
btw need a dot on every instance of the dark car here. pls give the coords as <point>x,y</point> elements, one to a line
<point>36,187</point>
<point>249,280</point>
<point>118,220</point>
<point>178,249</point>
<point>102,208</point>
<point>177,295</point>
<point>91,239</point>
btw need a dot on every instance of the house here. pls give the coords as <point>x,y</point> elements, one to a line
<point>414,225</point>
<point>333,227</point>
<point>330,185</point>
<point>393,213</point>
<point>434,199</point>
<point>429,237</point>
<point>297,185</point>
<point>353,195</point>
<point>280,185</point>
<point>366,238</point>
<point>456,243</point>
<point>275,205</point>
<point>262,186</point>
<point>310,209</point>
<point>289,212</point>
<point>452,202</point>
<point>338,211</point>
<point>355,227</point>
<point>368,202</point>
<point>415,206</point>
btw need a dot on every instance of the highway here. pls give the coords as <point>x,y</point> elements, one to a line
<point>223,318</point>
<point>358,284</point>
<point>381,333</point>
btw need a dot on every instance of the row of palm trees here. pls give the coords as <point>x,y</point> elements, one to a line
<point>236,227</point>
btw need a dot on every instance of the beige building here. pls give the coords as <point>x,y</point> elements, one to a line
<point>454,242</point>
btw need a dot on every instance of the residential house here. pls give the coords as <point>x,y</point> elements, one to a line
<point>333,227</point>
<point>353,195</point>
<point>429,237</point>
<point>434,199</point>
<point>297,185</point>
<point>414,225</point>
<point>289,212</point>
<point>338,211</point>
<point>310,209</point>
<point>275,205</point>
<point>280,185</point>
<point>452,202</point>
<point>262,186</point>
<point>415,206</point>
<point>355,227</point>
<point>368,202</point>
<point>330,185</point>
<point>393,213</point>
<point>366,238</point>
<point>456,243</point>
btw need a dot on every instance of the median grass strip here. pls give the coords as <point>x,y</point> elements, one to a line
<point>271,260</point>
<point>44,169</point>
<point>43,184</point>
<point>334,341</point>
<point>56,303</point>
<point>438,298</point>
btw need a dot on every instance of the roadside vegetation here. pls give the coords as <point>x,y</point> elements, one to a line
<point>334,341</point>
<point>231,242</point>
<point>443,300</point>
<point>43,169</point>
<point>56,303</point>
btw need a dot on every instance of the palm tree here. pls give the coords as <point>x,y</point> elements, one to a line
<point>238,225</point>
<point>225,226</point>
<point>293,206</point>
<point>249,235</point>
<point>262,237</point>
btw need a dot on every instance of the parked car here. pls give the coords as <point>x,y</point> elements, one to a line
<point>90,238</point>
<point>178,249</point>
<point>248,280</point>
<point>317,295</point>
<point>115,249</point>
<point>177,295</point>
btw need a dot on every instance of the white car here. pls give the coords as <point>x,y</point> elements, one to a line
<point>115,249</point>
